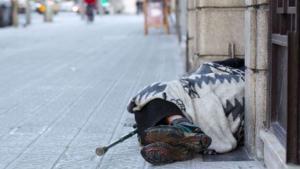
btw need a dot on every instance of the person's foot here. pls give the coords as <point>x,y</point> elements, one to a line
<point>179,133</point>
<point>162,153</point>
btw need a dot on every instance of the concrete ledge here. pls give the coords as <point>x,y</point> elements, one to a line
<point>262,39</point>
<point>253,2</point>
<point>191,27</point>
<point>250,110</point>
<point>274,152</point>
<point>250,38</point>
<point>222,3</point>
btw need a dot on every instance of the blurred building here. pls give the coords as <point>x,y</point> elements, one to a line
<point>123,6</point>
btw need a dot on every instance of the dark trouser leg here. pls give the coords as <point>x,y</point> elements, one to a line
<point>153,114</point>
<point>234,63</point>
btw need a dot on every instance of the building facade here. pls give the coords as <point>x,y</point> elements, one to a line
<point>266,34</point>
<point>123,6</point>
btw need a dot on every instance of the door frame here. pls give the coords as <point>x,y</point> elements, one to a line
<point>290,138</point>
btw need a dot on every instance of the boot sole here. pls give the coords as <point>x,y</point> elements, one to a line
<point>174,136</point>
<point>163,153</point>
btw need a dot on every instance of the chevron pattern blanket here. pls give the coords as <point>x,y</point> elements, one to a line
<point>212,98</point>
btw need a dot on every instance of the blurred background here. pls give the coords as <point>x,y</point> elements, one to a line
<point>25,12</point>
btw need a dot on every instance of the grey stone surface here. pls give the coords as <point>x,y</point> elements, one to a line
<point>191,53</point>
<point>262,1</point>
<point>182,20</point>
<point>192,34</point>
<point>191,21</point>
<point>225,3</point>
<point>240,154</point>
<point>228,165</point>
<point>253,2</point>
<point>261,91</point>
<point>274,152</point>
<point>219,27</point>
<point>250,110</point>
<point>256,92</point>
<point>256,60</point>
<point>66,90</point>
<point>262,39</point>
<point>191,4</point>
<point>250,2</point>
<point>250,38</point>
<point>256,38</point>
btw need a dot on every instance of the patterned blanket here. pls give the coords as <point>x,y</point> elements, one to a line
<point>212,98</point>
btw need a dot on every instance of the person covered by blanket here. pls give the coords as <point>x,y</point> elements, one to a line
<point>202,113</point>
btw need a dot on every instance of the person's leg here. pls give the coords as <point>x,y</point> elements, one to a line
<point>164,131</point>
<point>236,63</point>
<point>170,119</point>
<point>178,131</point>
<point>153,114</point>
<point>177,141</point>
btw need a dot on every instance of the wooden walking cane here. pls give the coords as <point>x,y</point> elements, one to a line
<point>102,150</point>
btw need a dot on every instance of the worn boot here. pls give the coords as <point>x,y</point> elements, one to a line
<point>176,142</point>
<point>180,132</point>
<point>162,153</point>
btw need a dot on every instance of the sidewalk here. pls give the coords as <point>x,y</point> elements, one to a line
<point>66,87</point>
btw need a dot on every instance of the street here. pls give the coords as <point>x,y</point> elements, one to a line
<point>65,87</point>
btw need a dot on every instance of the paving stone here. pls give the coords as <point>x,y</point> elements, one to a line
<point>240,154</point>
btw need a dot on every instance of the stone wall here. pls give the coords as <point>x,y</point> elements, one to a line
<point>256,60</point>
<point>212,25</point>
<point>191,35</point>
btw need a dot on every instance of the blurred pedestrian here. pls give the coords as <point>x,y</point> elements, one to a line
<point>139,6</point>
<point>91,8</point>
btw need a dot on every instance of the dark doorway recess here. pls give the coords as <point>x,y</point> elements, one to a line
<point>284,76</point>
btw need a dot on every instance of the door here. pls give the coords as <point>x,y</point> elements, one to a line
<point>284,80</point>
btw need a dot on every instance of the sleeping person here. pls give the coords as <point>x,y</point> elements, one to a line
<point>202,113</point>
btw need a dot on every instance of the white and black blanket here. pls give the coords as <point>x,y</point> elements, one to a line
<point>212,98</point>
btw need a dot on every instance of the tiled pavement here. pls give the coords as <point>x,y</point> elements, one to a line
<point>64,89</point>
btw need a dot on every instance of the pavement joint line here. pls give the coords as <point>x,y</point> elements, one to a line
<point>81,128</point>
<point>36,110</point>
<point>160,79</point>
<point>99,104</point>
<point>157,76</point>
<point>38,107</point>
<point>85,122</point>
<point>79,58</point>
<point>123,113</point>
<point>46,129</point>
<point>9,109</point>
<point>55,71</point>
